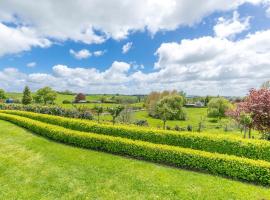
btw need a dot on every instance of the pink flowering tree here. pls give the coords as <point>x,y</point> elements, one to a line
<point>255,106</point>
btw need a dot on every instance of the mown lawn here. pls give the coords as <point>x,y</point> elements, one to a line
<point>32,167</point>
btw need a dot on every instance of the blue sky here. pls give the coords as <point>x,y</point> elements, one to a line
<point>157,58</point>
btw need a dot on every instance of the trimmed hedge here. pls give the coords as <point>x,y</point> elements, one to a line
<point>231,166</point>
<point>254,149</point>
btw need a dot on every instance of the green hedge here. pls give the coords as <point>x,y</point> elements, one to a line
<point>255,149</point>
<point>231,166</point>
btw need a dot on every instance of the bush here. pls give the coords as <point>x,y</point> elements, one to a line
<point>177,128</point>
<point>189,128</point>
<point>255,149</point>
<point>66,101</point>
<point>142,122</point>
<point>231,166</point>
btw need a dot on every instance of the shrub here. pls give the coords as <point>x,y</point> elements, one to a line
<point>66,101</point>
<point>231,166</point>
<point>177,128</point>
<point>255,149</point>
<point>189,128</point>
<point>141,122</point>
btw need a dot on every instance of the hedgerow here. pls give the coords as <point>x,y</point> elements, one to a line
<point>81,113</point>
<point>235,167</point>
<point>255,149</point>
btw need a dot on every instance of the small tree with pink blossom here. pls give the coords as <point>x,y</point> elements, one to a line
<point>256,106</point>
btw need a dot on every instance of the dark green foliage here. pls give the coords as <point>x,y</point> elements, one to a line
<point>66,101</point>
<point>189,128</point>
<point>2,94</point>
<point>27,97</point>
<point>231,166</point>
<point>255,149</point>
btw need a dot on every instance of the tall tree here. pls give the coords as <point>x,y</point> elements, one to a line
<point>27,97</point>
<point>2,94</point>
<point>45,95</point>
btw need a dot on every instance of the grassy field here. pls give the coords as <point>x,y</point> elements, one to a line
<point>32,167</point>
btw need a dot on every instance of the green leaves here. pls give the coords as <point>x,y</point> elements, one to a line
<point>45,95</point>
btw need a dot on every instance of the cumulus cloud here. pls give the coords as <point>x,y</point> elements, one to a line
<point>82,54</point>
<point>233,67</point>
<point>94,21</point>
<point>18,39</point>
<point>205,65</point>
<point>99,53</point>
<point>126,47</point>
<point>230,27</point>
<point>31,64</point>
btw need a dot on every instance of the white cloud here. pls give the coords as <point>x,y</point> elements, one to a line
<point>126,47</point>
<point>99,53</point>
<point>31,64</point>
<point>226,28</point>
<point>205,65</point>
<point>94,21</point>
<point>227,67</point>
<point>15,40</point>
<point>82,54</point>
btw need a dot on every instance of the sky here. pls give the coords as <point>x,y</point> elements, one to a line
<point>201,47</point>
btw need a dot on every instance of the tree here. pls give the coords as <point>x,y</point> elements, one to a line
<point>115,112</point>
<point>206,100</point>
<point>154,97</point>
<point>169,108</point>
<point>80,97</point>
<point>45,95</point>
<point>217,107</point>
<point>257,105</point>
<point>246,122</point>
<point>126,116</point>
<point>27,97</point>
<point>2,94</point>
<point>98,110</point>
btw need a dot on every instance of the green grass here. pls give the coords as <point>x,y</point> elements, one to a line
<point>32,167</point>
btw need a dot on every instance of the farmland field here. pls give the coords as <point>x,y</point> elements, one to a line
<point>36,168</point>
